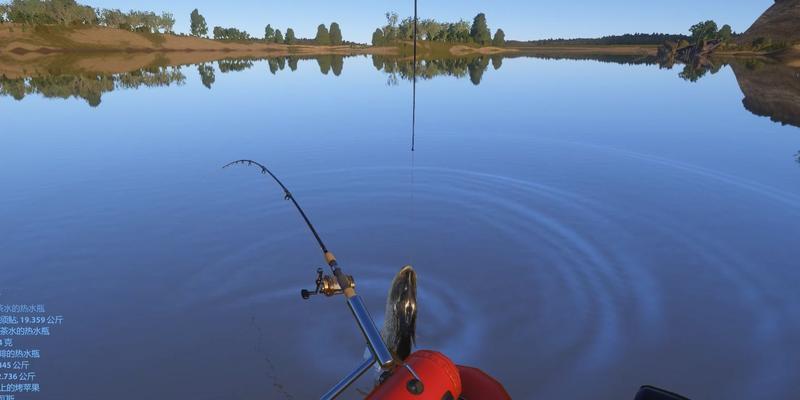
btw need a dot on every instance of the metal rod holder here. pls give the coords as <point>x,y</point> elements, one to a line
<point>374,340</point>
<point>348,380</point>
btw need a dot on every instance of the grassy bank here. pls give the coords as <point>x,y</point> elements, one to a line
<point>29,40</point>
<point>44,39</point>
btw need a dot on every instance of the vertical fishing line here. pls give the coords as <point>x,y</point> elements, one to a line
<point>413,135</point>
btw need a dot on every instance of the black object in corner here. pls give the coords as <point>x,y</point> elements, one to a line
<point>654,393</point>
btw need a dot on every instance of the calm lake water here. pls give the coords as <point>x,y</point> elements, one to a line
<point>579,227</point>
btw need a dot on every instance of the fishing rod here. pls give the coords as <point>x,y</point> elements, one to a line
<point>339,283</point>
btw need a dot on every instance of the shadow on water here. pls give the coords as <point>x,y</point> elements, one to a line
<point>771,89</point>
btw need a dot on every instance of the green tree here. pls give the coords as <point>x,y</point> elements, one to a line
<point>323,36</point>
<point>198,24</point>
<point>704,31</point>
<point>390,30</point>
<point>458,32</point>
<point>62,12</point>
<point>167,22</point>
<point>336,34</point>
<point>725,33</point>
<point>429,29</point>
<point>406,29</point>
<point>221,33</point>
<point>278,36</point>
<point>269,33</point>
<point>290,37</point>
<point>377,38</point>
<point>499,38</point>
<point>480,30</point>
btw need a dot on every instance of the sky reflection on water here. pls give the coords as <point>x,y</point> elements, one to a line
<point>632,226</point>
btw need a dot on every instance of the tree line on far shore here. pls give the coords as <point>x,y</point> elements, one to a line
<point>325,36</point>
<point>71,13</point>
<point>641,39</point>
<point>397,30</point>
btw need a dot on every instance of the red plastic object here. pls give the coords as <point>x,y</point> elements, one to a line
<point>441,380</point>
<point>438,375</point>
<point>476,384</point>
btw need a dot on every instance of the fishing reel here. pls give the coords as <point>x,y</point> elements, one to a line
<point>326,285</point>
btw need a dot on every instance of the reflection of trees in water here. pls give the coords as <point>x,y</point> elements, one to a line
<point>397,68</point>
<point>331,63</point>
<point>604,58</point>
<point>337,65</point>
<point>327,63</point>
<point>274,65</point>
<point>695,66</point>
<point>292,61</point>
<point>89,87</point>
<point>207,75</point>
<point>234,65</point>
<point>771,88</point>
<point>692,72</point>
<point>497,62</point>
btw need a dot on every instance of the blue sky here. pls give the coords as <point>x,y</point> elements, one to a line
<point>519,19</point>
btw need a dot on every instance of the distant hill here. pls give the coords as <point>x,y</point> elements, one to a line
<point>780,23</point>
<point>640,39</point>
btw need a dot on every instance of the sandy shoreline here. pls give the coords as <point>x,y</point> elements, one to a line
<point>30,51</point>
<point>17,39</point>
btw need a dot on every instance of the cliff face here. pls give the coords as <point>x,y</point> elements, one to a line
<point>780,23</point>
<point>770,90</point>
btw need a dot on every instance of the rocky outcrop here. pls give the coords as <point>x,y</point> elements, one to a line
<point>770,89</point>
<point>779,24</point>
<point>670,52</point>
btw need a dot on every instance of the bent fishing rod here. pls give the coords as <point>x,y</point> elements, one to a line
<point>339,283</point>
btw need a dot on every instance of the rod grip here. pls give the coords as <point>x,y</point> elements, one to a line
<point>330,258</point>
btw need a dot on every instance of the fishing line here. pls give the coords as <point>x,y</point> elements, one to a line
<point>413,133</point>
<point>414,87</point>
